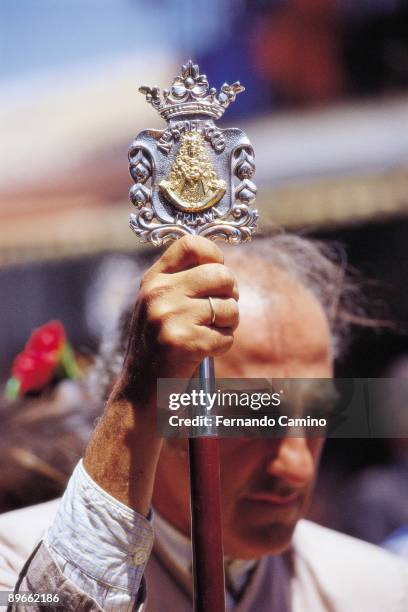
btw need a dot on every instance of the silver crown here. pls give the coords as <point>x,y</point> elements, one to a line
<point>190,94</point>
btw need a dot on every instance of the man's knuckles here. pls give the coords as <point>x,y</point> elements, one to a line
<point>188,252</point>
<point>226,312</point>
<point>153,287</point>
<point>210,279</point>
<point>196,250</point>
<point>180,340</point>
<point>158,311</point>
<point>204,280</point>
<point>230,314</point>
<point>192,341</point>
<point>223,276</point>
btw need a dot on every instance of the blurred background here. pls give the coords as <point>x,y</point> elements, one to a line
<point>326,108</point>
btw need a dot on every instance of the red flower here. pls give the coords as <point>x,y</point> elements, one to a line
<point>46,352</point>
<point>47,338</point>
<point>34,370</point>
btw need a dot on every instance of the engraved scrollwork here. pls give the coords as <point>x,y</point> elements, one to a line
<point>148,229</point>
<point>140,166</point>
<point>243,163</point>
<point>238,229</point>
<point>246,191</point>
<point>235,231</point>
<point>141,169</point>
<point>244,167</point>
<point>139,195</point>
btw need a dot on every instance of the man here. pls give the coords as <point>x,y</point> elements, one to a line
<point>99,545</point>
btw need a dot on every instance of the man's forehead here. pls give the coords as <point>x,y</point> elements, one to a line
<point>261,282</point>
<point>279,345</point>
<point>253,269</point>
<point>280,319</point>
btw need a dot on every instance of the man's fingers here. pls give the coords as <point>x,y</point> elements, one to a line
<point>174,314</point>
<point>226,312</point>
<point>188,252</point>
<point>212,279</point>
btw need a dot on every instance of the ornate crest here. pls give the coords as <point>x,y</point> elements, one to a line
<point>192,177</point>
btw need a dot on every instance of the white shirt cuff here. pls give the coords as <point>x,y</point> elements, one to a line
<point>100,537</point>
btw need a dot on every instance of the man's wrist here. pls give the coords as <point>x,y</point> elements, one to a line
<point>128,390</point>
<point>122,454</point>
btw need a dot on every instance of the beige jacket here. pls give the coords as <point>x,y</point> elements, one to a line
<point>323,571</point>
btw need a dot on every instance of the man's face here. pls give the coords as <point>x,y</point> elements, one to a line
<point>265,483</point>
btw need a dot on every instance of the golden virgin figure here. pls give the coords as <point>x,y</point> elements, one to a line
<point>192,184</point>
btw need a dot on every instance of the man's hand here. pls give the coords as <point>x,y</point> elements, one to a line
<point>170,334</point>
<point>171,331</point>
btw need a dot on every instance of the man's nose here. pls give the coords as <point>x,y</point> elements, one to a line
<point>292,461</point>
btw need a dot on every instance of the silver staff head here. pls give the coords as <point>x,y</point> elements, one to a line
<point>192,177</point>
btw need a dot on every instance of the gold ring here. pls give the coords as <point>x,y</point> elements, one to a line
<point>212,310</point>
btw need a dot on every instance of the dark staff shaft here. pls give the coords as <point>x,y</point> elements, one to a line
<point>206,532</point>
